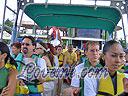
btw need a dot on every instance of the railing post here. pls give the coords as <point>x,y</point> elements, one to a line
<point>2,29</point>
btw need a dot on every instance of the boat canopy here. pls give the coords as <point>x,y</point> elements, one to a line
<point>74,16</point>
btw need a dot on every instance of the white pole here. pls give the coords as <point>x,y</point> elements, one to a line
<point>2,29</point>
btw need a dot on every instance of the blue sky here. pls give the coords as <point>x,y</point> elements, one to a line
<point>12,4</point>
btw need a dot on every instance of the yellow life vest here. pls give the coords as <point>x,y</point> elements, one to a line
<point>71,57</point>
<point>19,89</point>
<point>61,59</point>
<point>7,65</point>
<point>106,85</point>
<point>25,89</point>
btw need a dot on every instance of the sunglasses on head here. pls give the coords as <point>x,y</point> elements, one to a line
<point>27,44</point>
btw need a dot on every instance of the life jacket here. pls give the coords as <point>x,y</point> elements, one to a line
<point>4,73</point>
<point>19,57</point>
<point>61,59</point>
<point>106,87</point>
<point>40,56</point>
<point>86,64</point>
<point>82,58</point>
<point>71,57</point>
<point>31,87</point>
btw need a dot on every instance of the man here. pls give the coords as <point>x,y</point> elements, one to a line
<point>92,53</point>
<point>28,75</point>
<point>70,60</point>
<point>70,57</point>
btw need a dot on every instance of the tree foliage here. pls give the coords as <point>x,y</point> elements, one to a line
<point>123,43</point>
<point>8,26</point>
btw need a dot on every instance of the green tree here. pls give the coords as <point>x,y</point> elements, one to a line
<point>105,35</point>
<point>123,43</point>
<point>8,26</point>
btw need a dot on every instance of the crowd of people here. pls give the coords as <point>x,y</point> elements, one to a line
<point>39,69</point>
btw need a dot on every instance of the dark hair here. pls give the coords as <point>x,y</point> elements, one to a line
<point>31,38</point>
<point>16,44</point>
<point>5,49</point>
<point>58,47</point>
<point>79,52</point>
<point>108,45</point>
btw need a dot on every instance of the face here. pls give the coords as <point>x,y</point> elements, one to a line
<point>114,57</point>
<point>39,51</point>
<point>15,50</point>
<point>93,52</point>
<point>70,48</point>
<point>2,57</point>
<point>54,51</point>
<point>59,50</point>
<point>78,52</point>
<point>27,44</point>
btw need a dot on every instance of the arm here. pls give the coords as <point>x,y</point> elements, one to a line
<point>75,59</point>
<point>47,61</point>
<point>71,91</point>
<point>65,60</point>
<point>9,90</point>
<point>75,82</point>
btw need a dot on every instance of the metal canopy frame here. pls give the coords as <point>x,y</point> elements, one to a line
<point>22,3</point>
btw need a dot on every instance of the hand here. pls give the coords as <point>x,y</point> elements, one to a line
<point>125,82</point>
<point>75,91</point>
<point>6,91</point>
<point>72,91</point>
<point>21,82</point>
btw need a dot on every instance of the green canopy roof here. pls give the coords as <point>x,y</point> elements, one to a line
<point>74,16</point>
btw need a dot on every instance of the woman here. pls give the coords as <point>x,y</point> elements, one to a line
<point>114,57</point>
<point>43,53</point>
<point>8,72</point>
<point>112,84</point>
<point>78,53</point>
<point>16,54</point>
